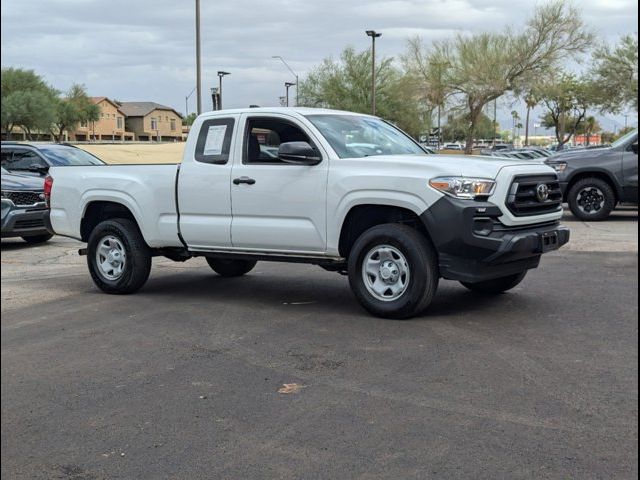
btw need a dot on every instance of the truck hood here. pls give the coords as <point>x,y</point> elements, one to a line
<point>579,154</point>
<point>452,165</point>
<point>15,181</point>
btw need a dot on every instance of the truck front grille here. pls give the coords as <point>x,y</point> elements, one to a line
<point>24,199</point>
<point>527,195</point>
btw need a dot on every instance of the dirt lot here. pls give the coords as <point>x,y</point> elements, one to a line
<point>182,380</point>
<point>137,152</point>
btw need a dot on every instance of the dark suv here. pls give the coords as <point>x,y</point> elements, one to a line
<point>594,181</point>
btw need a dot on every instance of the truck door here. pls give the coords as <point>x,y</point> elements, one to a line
<point>204,197</point>
<point>277,206</point>
<point>630,172</point>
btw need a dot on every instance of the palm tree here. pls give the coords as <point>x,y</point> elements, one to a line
<point>591,126</point>
<point>531,102</point>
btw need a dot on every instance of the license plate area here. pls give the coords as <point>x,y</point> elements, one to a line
<point>549,241</point>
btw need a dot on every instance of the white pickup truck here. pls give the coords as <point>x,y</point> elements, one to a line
<point>348,192</point>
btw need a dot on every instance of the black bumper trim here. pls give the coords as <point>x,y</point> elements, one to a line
<point>473,245</point>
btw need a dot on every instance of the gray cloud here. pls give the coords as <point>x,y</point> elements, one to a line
<point>144,49</point>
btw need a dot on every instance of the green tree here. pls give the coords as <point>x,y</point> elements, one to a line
<point>567,100</point>
<point>482,67</point>
<point>345,84</point>
<point>615,72</point>
<point>27,102</point>
<point>457,126</point>
<point>75,108</point>
<point>189,119</point>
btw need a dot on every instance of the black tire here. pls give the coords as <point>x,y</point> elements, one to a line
<point>137,265</point>
<point>591,199</point>
<point>497,285</point>
<point>229,267</point>
<point>34,239</point>
<point>422,262</point>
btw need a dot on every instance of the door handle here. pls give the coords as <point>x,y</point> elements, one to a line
<point>247,180</point>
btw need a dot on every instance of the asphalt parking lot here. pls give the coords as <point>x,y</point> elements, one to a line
<point>181,380</point>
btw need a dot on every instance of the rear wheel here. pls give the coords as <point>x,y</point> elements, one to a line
<point>393,271</point>
<point>118,258</point>
<point>591,199</point>
<point>226,267</point>
<point>38,238</point>
<point>497,285</point>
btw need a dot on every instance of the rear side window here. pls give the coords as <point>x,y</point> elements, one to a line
<point>214,141</point>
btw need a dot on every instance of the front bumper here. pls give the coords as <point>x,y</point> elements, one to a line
<point>23,222</point>
<point>474,246</point>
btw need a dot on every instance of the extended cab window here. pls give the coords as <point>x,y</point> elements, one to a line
<point>214,141</point>
<point>264,135</point>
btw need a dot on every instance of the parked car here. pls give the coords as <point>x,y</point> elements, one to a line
<point>594,181</point>
<point>395,221</point>
<point>23,207</point>
<point>452,146</point>
<point>36,158</point>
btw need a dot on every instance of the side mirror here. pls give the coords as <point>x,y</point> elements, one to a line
<point>38,168</point>
<point>634,148</point>
<point>298,153</point>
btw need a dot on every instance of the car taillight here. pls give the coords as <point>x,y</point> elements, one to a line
<point>48,185</point>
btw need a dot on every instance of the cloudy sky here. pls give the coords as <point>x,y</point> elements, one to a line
<point>143,50</point>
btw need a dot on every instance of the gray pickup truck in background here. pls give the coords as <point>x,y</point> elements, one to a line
<point>594,181</point>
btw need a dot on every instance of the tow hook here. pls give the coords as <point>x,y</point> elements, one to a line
<point>82,252</point>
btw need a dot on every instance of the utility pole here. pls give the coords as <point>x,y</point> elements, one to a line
<point>294,74</point>
<point>373,34</point>
<point>198,65</point>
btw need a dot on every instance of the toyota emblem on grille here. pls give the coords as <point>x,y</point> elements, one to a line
<point>542,192</point>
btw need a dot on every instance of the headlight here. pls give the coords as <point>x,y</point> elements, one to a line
<point>558,166</point>
<point>463,187</point>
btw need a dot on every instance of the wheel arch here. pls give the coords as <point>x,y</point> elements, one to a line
<point>97,211</point>
<point>362,217</point>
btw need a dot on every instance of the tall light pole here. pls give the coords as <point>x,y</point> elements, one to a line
<point>220,75</point>
<point>373,34</point>
<point>293,73</point>
<point>198,66</point>
<point>186,102</point>
<point>287,85</point>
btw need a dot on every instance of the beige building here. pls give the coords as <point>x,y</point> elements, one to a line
<point>152,121</point>
<point>111,125</point>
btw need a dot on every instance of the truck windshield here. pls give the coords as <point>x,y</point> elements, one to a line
<point>625,139</point>
<point>354,136</point>
<point>62,156</point>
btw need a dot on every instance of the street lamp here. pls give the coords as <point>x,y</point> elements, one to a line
<point>373,34</point>
<point>186,102</point>
<point>293,73</point>
<point>220,75</point>
<point>287,85</point>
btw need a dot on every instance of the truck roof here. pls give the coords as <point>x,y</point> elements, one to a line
<point>298,110</point>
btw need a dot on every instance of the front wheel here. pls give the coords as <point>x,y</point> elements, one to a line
<point>119,260</point>
<point>35,239</point>
<point>393,271</point>
<point>497,285</point>
<point>231,267</point>
<point>591,199</point>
